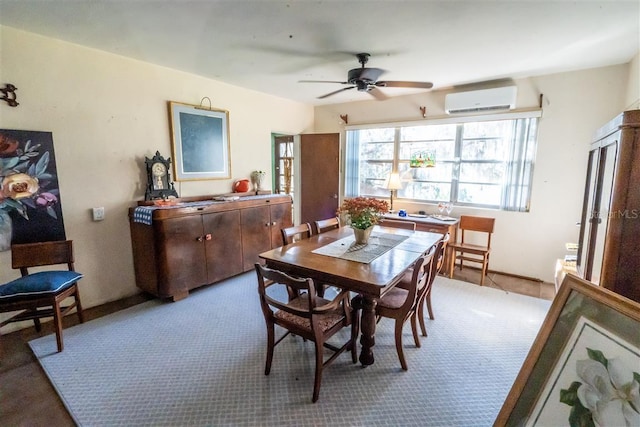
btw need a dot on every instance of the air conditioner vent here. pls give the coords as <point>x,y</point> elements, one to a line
<point>475,101</point>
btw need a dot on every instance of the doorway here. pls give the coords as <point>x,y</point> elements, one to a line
<point>283,164</point>
<point>319,176</point>
<point>307,167</point>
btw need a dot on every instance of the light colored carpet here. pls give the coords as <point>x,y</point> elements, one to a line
<point>200,361</point>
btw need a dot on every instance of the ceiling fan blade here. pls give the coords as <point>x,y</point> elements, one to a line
<point>377,94</point>
<point>419,85</point>
<point>322,81</point>
<point>335,91</point>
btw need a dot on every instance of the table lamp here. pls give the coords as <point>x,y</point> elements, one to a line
<point>393,184</point>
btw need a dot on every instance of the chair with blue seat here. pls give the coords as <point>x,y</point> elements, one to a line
<point>40,294</point>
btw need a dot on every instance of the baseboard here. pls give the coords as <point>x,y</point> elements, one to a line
<point>503,273</point>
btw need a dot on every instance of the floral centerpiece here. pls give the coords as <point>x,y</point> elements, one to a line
<point>25,183</point>
<point>362,213</point>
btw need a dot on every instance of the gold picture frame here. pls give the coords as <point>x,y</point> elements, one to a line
<point>199,142</point>
<point>586,329</point>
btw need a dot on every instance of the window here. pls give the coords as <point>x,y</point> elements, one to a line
<point>485,163</point>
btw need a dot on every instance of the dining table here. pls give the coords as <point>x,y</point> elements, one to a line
<point>369,270</point>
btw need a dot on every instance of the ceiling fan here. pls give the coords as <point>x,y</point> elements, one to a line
<point>366,80</point>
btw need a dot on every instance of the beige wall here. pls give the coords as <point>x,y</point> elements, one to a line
<point>106,114</point>
<point>633,85</point>
<point>575,104</point>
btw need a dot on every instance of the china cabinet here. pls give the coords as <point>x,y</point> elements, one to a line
<point>609,242</point>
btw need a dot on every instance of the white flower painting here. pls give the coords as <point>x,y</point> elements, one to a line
<point>595,382</point>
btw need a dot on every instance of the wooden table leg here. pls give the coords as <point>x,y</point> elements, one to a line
<point>368,329</point>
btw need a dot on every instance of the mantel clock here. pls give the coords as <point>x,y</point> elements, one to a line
<point>159,184</point>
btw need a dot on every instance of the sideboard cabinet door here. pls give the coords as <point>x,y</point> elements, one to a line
<point>256,234</point>
<point>261,230</point>
<point>180,245</point>
<point>280,218</point>
<point>223,245</point>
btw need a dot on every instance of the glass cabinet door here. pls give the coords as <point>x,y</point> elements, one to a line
<point>596,210</point>
<point>583,263</point>
<point>608,164</point>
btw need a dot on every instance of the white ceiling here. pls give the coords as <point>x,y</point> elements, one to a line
<point>269,45</point>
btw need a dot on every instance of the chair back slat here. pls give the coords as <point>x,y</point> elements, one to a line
<point>427,260</point>
<point>41,254</point>
<point>298,286</point>
<point>440,254</point>
<point>477,223</point>
<point>419,279</point>
<point>327,224</point>
<point>296,232</point>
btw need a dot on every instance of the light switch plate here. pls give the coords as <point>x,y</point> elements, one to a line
<point>98,214</point>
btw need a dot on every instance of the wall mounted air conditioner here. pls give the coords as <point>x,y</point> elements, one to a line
<point>476,101</point>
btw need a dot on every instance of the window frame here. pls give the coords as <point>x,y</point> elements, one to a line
<point>517,178</point>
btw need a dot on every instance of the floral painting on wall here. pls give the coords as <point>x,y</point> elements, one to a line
<point>30,207</point>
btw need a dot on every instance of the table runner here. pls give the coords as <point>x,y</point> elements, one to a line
<point>379,243</point>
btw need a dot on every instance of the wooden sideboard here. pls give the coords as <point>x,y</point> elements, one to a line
<point>200,241</point>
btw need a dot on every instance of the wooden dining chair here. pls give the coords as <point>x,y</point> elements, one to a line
<point>472,226</point>
<point>407,225</point>
<point>401,302</point>
<point>424,297</point>
<point>295,233</point>
<point>40,294</point>
<point>327,224</point>
<point>308,316</point>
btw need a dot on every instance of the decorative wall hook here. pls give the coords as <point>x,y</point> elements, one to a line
<point>345,118</point>
<point>423,110</point>
<point>202,107</point>
<point>9,92</point>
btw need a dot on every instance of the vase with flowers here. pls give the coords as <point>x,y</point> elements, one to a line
<point>362,213</point>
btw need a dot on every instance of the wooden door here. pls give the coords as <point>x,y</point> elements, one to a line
<point>319,176</point>
<point>224,246</point>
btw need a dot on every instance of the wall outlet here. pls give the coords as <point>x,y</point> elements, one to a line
<point>98,214</point>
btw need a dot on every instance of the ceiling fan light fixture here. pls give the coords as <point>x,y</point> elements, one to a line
<point>366,80</point>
